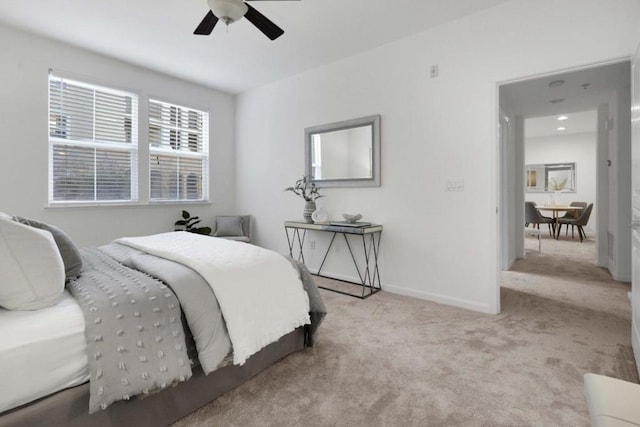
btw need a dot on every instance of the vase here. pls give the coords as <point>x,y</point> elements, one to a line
<point>309,208</point>
<point>556,198</point>
<point>319,216</point>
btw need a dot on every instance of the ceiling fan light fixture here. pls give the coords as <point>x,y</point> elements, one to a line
<point>228,11</point>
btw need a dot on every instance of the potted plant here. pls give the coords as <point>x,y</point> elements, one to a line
<point>188,223</point>
<point>306,189</point>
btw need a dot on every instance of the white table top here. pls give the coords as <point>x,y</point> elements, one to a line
<point>372,228</point>
<point>559,208</point>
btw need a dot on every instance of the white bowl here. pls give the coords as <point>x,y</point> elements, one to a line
<point>351,217</point>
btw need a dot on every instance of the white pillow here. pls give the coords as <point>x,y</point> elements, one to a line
<point>31,268</point>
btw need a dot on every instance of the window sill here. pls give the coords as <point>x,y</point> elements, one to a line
<point>178,203</point>
<point>66,205</point>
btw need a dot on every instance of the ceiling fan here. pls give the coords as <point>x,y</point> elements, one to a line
<point>229,11</point>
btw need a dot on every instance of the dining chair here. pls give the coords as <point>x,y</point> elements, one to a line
<point>526,224</point>
<point>533,216</point>
<point>573,215</point>
<point>580,222</point>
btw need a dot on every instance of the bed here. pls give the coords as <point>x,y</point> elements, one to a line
<point>145,330</point>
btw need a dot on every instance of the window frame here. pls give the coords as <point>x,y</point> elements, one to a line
<point>179,153</point>
<point>98,146</point>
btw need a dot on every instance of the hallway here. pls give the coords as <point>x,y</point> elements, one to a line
<point>564,274</point>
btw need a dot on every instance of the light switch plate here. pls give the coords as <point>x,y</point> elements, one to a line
<point>455,184</point>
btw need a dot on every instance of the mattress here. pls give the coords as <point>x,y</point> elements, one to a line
<point>41,352</point>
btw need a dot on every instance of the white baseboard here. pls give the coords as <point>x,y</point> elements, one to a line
<point>623,278</point>
<point>611,266</point>
<point>441,299</point>
<point>428,296</point>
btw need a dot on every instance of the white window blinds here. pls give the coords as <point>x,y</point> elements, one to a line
<point>178,152</point>
<point>93,143</point>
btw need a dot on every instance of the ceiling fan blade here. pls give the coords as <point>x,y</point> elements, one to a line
<point>207,24</point>
<point>263,23</point>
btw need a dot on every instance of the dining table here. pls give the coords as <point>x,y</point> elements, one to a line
<point>555,210</point>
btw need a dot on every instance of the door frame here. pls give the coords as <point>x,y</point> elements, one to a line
<point>635,263</point>
<point>500,184</point>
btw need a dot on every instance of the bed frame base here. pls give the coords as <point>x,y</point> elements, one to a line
<point>70,407</point>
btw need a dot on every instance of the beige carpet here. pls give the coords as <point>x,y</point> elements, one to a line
<point>395,361</point>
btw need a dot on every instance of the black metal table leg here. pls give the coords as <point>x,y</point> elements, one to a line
<point>369,277</point>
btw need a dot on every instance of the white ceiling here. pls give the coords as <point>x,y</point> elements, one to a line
<point>580,91</point>
<point>532,98</point>
<point>158,33</point>
<point>582,122</point>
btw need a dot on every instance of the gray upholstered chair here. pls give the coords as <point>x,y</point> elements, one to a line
<point>573,215</point>
<point>532,216</point>
<point>579,222</point>
<point>233,227</point>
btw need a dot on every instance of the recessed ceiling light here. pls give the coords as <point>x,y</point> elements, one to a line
<point>556,83</point>
<point>561,128</point>
<point>561,118</point>
<point>557,100</point>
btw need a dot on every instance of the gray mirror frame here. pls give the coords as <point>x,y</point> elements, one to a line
<point>569,165</point>
<point>374,122</point>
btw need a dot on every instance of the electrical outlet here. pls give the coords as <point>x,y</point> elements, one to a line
<point>312,244</point>
<point>434,71</point>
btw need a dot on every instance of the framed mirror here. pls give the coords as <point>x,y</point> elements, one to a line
<point>344,154</point>
<point>550,177</point>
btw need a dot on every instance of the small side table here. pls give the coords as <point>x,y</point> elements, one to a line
<point>370,235</point>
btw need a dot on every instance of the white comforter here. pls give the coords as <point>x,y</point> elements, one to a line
<point>259,291</point>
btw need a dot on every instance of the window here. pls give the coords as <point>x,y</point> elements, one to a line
<point>93,143</point>
<point>178,152</point>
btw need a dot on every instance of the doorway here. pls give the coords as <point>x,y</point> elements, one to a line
<point>597,97</point>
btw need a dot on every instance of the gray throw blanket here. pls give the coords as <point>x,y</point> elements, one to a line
<point>317,309</point>
<point>199,303</point>
<point>135,339</point>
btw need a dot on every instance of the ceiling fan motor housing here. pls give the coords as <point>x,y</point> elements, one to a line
<point>228,11</point>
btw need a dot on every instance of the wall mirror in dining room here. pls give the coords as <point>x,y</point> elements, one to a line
<point>344,154</point>
<point>551,177</point>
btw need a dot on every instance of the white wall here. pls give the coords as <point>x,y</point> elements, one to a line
<point>436,245</point>
<point>621,144</point>
<point>579,148</point>
<point>24,67</point>
<point>518,166</point>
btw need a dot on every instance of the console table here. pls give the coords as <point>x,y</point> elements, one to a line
<point>369,235</point>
